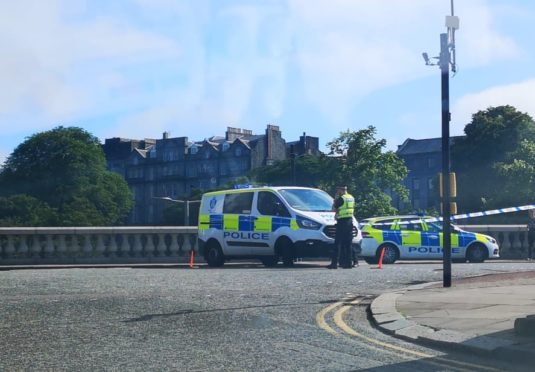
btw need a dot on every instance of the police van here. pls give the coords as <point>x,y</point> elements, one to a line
<point>413,238</point>
<point>267,223</point>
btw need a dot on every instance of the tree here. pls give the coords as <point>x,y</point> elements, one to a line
<point>518,176</point>
<point>308,171</point>
<point>490,137</point>
<point>24,210</point>
<point>357,160</point>
<point>65,168</point>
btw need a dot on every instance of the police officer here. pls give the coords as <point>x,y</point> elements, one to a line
<point>344,206</point>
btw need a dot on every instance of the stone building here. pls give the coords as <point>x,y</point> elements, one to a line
<point>173,167</point>
<point>423,158</point>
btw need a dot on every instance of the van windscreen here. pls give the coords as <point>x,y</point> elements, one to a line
<point>310,200</point>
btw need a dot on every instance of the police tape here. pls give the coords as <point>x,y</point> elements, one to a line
<point>463,216</point>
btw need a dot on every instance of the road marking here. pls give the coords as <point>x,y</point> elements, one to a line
<point>339,321</point>
<point>320,318</point>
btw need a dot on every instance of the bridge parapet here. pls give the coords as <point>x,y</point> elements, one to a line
<point>96,245</point>
<point>156,244</point>
<point>512,239</point>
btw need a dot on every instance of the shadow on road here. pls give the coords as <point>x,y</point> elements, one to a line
<point>192,311</point>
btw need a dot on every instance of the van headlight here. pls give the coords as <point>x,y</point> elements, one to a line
<point>306,223</point>
<point>491,240</point>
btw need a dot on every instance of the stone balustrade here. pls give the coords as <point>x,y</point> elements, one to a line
<point>129,245</point>
<point>512,239</point>
<point>96,245</point>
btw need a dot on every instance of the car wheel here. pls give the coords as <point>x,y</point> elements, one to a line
<point>270,261</point>
<point>214,255</point>
<point>477,253</point>
<point>391,254</point>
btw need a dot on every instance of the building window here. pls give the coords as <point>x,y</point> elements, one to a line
<point>430,184</point>
<point>415,189</point>
<point>431,163</point>
<point>225,146</point>
<point>238,151</point>
<point>193,150</point>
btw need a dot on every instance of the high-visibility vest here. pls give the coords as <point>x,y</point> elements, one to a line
<point>347,208</point>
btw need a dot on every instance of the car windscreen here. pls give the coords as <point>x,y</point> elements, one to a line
<point>308,199</point>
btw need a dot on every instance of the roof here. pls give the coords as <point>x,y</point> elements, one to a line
<point>143,153</point>
<point>423,146</point>
<point>256,188</point>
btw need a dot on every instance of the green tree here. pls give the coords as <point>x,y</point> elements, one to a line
<point>173,214</point>
<point>518,176</point>
<point>490,137</point>
<point>358,161</point>
<point>66,169</point>
<point>307,168</point>
<point>24,210</point>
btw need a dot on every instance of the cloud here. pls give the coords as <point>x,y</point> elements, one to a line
<point>196,66</point>
<point>518,95</point>
<point>3,156</point>
<point>349,49</point>
<point>58,59</point>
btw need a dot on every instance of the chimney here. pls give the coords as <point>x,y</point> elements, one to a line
<point>166,135</point>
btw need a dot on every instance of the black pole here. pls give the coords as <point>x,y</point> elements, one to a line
<point>446,226</point>
<point>292,159</point>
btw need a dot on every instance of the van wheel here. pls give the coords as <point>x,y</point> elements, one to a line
<point>391,254</point>
<point>214,255</point>
<point>285,248</point>
<point>270,261</point>
<point>477,253</point>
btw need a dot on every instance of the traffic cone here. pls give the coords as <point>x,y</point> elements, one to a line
<point>381,258</point>
<point>191,259</point>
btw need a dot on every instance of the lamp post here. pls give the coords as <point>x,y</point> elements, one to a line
<point>446,58</point>
<point>185,202</point>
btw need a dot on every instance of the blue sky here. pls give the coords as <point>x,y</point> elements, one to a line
<point>137,68</point>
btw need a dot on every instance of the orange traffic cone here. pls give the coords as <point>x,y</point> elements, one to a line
<point>381,258</point>
<point>191,259</point>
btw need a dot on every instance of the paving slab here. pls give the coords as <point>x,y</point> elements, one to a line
<point>397,325</point>
<point>387,318</point>
<point>414,332</point>
<point>476,316</point>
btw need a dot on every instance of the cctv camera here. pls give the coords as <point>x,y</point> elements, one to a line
<point>426,58</point>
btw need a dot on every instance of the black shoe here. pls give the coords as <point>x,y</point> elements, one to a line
<point>331,266</point>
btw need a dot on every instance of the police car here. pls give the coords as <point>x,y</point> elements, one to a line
<point>412,238</point>
<point>267,223</point>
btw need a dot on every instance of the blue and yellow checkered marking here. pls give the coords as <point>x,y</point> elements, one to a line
<point>234,222</point>
<point>422,238</point>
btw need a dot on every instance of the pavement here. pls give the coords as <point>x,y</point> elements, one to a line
<point>475,315</point>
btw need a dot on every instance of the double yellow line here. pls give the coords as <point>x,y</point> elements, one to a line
<point>338,318</point>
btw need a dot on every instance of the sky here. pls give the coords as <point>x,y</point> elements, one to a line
<point>137,68</point>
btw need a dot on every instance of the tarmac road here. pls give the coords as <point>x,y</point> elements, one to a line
<point>239,317</point>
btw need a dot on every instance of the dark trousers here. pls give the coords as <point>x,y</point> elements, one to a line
<point>342,253</point>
